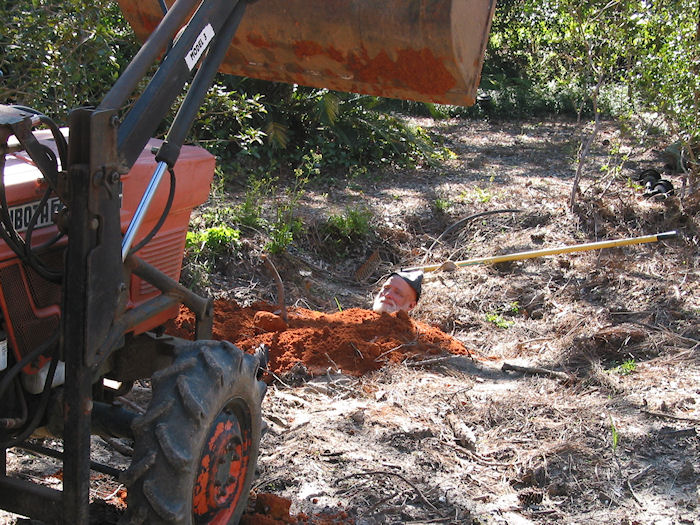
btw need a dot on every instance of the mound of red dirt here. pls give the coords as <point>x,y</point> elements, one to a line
<point>355,341</point>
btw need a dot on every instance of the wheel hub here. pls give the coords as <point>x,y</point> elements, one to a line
<point>223,465</point>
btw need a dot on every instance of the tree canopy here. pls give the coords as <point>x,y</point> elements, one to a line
<point>552,56</point>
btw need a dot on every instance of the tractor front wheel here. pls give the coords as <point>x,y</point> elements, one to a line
<point>197,445</point>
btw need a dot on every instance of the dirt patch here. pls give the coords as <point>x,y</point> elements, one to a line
<point>354,341</point>
<point>429,434</point>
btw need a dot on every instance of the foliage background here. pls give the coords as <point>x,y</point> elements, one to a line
<point>634,61</point>
<point>544,57</point>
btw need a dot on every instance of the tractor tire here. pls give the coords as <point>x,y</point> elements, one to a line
<point>196,447</point>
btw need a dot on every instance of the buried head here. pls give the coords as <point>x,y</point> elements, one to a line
<point>400,291</point>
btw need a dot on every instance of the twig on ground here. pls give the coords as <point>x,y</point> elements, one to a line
<point>114,493</point>
<point>119,447</point>
<point>383,500</point>
<point>478,458</point>
<point>536,370</point>
<point>424,362</point>
<point>460,223</point>
<point>292,398</point>
<point>634,496</point>
<point>639,475</point>
<point>387,473</point>
<point>280,287</point>
<point>436,520</point>
<point>357,350</point>
<point>332,362</point>
<point>277,420</point>
<point>410,343</point>
<point>267,370</point>
<point>669,416</point>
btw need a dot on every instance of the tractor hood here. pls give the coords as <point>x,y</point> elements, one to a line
<point>425,50</point>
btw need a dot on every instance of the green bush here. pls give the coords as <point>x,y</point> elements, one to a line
<point>346,130</point>
<point>228,123</point>
<point>60,55</point>
<point>341,233</point>
<point>287,225</point>
<point>212,242</point>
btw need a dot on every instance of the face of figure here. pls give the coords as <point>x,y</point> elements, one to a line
<point>395,295</point>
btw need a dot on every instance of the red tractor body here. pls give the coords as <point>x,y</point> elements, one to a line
<point>30,305</point>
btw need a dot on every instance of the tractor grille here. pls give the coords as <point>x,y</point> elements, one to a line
<point>45,293</point>
<point>165,253</point>
<point>29,329</point>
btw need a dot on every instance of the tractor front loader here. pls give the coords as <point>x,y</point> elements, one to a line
<point>92,243</point>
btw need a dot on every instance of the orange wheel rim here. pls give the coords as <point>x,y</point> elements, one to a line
<point>221,474</point>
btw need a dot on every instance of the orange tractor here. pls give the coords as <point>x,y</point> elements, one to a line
<point>92,243</point>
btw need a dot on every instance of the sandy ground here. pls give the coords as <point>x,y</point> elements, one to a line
<point>607,433</point>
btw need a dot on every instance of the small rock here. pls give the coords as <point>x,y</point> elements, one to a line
<point>358,416</point>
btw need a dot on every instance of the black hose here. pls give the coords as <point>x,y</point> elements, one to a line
<point>11,374</point>
<point>37,264</point>
<point>163,216</point>
<point>8,232</point>
<point>17,367</point>
<point>39,412</point>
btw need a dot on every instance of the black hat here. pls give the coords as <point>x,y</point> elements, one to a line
<point>414,280</point>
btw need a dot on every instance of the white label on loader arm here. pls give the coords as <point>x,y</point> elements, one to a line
<point>199,46</point>
<point>3,354</point>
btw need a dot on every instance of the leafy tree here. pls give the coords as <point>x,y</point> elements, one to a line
<point>666,74</point>
<point>59,55</point>
<point>647,51</point>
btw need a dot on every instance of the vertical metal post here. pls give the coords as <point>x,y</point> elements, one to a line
<point>78,400</point>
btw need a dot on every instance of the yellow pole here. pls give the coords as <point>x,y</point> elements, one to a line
<point>547,251</point>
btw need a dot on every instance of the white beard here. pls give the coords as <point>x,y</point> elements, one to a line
<point>380,306</point>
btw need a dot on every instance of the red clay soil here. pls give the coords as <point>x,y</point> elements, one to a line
<point>356,341</point>
<point>269,509</point>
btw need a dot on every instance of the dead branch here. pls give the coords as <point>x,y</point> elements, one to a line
<point>460,223</point>
<point>280,287</point>
<point>405,345</point>
<point>387,473</point>
<point>124,450</point>
<point>431,361</point>
<point>357,350</point>
<point>639,475</point>
<point>634,496</point>
<point>133,406</point>
<point>537,371</point>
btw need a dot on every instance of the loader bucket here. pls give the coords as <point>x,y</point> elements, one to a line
<point>425,50</point>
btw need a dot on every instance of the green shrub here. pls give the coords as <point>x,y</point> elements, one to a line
<point>60,55</point>
<point>204,249</point>
<point>499,321</point>
<point>228,123</point>
<point>212,242</point>
<point>286,225</point>
<point>340,233</point>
